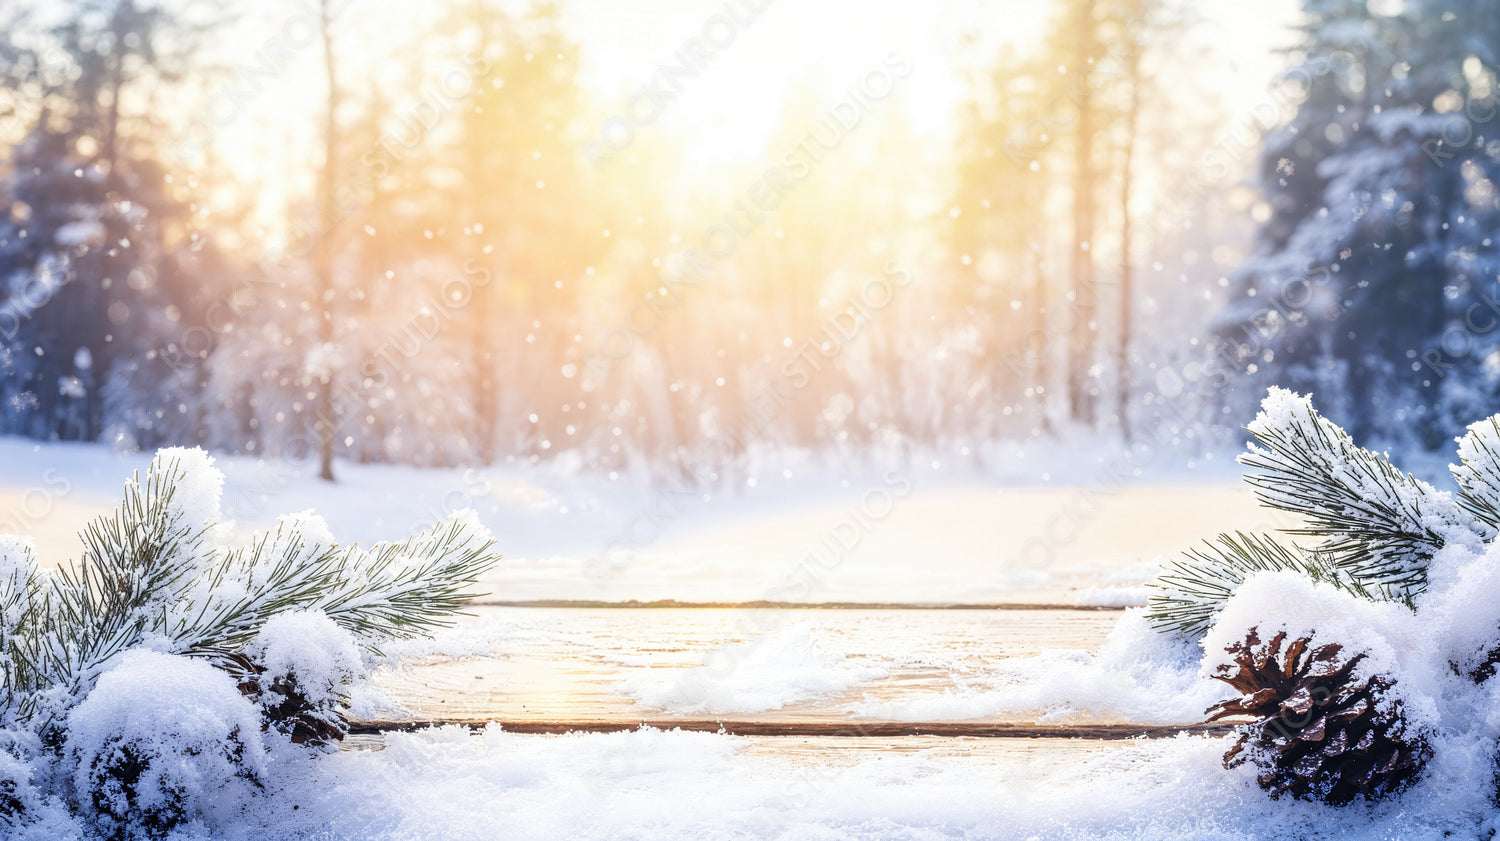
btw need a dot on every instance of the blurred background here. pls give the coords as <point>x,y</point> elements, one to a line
<point>687,240</point>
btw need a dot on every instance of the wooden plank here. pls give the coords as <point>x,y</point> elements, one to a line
<point>556,669</point>
<point>835,730</point>
<point>673,604</point>
<point>1004,759</point>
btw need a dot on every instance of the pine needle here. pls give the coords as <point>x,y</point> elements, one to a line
<point>1379,528</point>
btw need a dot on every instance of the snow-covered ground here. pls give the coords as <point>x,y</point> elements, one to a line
<point>670,785</point>
<point>1053,524</point>
<point>448,784</point>
<point>1076,535</point>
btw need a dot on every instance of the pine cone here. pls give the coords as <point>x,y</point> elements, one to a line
<point>286,708</point>
<point>1322,732</point>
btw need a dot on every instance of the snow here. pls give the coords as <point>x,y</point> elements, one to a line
<point>449,783</point>
<point>82,232</point>
<point>767,673</point>
<point>198,492</point>
<point>307,647</point>
<point>17,563</point>
<point>1273,602</point>
<point>1461,609</point>
<point>676,785</point>
<point>1112,596</point>
<point>197,737</point>
<point>1002,535</point>
<point>322,362</point>
<point>1138,676</point>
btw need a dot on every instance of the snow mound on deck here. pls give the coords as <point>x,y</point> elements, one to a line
<point>1113,596</point>
<point>765,673</point>
<point>1139,676</point>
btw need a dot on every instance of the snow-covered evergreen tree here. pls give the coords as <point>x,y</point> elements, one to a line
<point>97,251</point>
<point>1378,193</point>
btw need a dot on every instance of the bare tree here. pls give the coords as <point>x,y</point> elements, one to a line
<point>325,420</point>
<point>1131,62</point>
<point>1085,47</point>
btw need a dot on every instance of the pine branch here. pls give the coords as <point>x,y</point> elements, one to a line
<point>1379,525</point>
<point>147,573</point>
<point>284,568</point>
<point>403,590</point>
<point>392,591</point>
<point>1478,473</point>
<point>21,609</point>
<point>1193,590</point>
<point>134,562</point>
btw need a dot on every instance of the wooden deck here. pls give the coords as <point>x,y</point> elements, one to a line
<point>548,669</point>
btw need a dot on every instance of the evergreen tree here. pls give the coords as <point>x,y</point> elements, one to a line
<point>97,253</point>
<point>1375,240</point>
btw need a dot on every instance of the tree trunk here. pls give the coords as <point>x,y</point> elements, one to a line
<point>482,299</point>
<point>1040,369</point>
<point>1082,351</point>
<point>324,419</point>
<point>1127,279</point>
<point>110,151</point>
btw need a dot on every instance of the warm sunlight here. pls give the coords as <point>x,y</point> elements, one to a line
<point>749,419</point>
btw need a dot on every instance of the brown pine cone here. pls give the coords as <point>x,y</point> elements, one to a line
<point>1321,732</point>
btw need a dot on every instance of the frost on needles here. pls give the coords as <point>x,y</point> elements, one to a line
<point>282,621</point>
<point>1375,528</point>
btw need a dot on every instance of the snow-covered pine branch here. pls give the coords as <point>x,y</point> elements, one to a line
<point>1478,470</point>
<point>390,591</point>
<point>134,566</point>
<point>401,590</point>
<point>1380,528</point>
<point>154,573</point>
<point>1379,525</point>
<point>20,588</point>
<point>1191,591</point>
